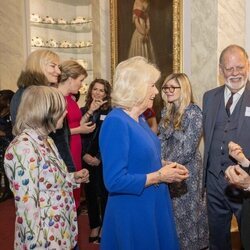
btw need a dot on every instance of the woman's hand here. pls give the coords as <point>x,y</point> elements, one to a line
<point>96,161</point>
<point>95,105</point>
<point>84,128</point>
<point>237,176</point>
<point>90,160</point>
<point>236,152</point>
<point>173,172</point>
<point>82,176</point>
<point>87,127</point>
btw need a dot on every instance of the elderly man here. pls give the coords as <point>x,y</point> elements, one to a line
<point>226,111</point>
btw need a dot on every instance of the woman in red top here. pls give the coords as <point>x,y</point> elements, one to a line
<point>72,76</point>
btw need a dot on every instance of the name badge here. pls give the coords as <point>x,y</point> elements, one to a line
<point>102,117</point>
<point>247,112</point>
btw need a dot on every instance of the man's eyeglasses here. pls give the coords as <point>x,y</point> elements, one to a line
<point>169,89</point>
<point>238,69</point>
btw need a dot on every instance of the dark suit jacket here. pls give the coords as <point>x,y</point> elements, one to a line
<point>211,104</point>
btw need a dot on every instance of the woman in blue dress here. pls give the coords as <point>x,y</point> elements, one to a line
<point>139,211</point>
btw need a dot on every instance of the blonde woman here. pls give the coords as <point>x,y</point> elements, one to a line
<point>42,68</point>
<point>138,214</point>
<point>180,132</point>
<point>39,180</point>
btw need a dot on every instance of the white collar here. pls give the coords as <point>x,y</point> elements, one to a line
<point>228,91</point>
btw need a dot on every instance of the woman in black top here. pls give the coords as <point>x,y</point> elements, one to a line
<point>42,68</point>
<point>5,139</point>
<point>96,194</point>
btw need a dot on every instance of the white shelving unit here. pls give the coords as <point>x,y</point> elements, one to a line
<point>70,40</point>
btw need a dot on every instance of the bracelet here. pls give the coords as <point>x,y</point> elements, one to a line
<point>159,175</point>
<point>88,113</point>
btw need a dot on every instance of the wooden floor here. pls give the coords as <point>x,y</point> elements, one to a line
<point>235,241</point>
<point>235,235</point>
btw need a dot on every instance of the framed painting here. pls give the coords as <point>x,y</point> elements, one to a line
<point>163,28</point>
<point>149,28</point>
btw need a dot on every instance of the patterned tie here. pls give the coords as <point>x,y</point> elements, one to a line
<point>229,103</point>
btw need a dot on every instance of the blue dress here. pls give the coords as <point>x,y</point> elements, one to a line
<point>136,217</point>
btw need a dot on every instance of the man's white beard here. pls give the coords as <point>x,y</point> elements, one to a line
<point>231,85</point>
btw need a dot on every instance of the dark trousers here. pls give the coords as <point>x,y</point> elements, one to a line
<point>245,224</point>
<point>223,201</point>
<point>96,196</point>
<point>76,247</point>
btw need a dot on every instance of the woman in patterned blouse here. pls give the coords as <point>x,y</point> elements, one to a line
<point>180,133</point>
<point>42,187</point>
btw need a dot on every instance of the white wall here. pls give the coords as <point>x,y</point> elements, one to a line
<point>248,26</point>
<point>187,37</point>
<point>12,42</point>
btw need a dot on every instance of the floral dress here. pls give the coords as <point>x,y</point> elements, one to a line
<point>188,203</point>
<point>43,191</point>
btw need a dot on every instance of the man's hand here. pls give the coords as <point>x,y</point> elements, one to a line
<point>235,175</point>
<point>236,152</point>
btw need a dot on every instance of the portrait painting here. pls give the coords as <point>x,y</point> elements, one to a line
<point>149,28</point>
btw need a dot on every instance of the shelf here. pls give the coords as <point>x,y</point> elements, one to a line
<point>76,28</point>
<point>56,23</point>
<point>83,50</point>
<point>74,2</point>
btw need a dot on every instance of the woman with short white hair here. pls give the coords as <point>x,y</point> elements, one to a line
<point>139,211</point>
<point>42,186</point>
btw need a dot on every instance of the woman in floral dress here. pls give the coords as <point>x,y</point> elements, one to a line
<point>180,132</point>
<point>42,187</point>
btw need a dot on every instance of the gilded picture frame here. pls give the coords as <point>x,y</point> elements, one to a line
<point>166,30</point>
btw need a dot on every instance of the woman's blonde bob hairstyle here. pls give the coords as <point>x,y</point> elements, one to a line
<point>36,63</point>
<point>38,59</point>
<point>174,113</point>
<point>131,79</point>
<point>40,109</point>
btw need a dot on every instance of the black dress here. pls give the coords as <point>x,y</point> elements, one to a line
<point>95,191</point>
<point>6,127</point>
